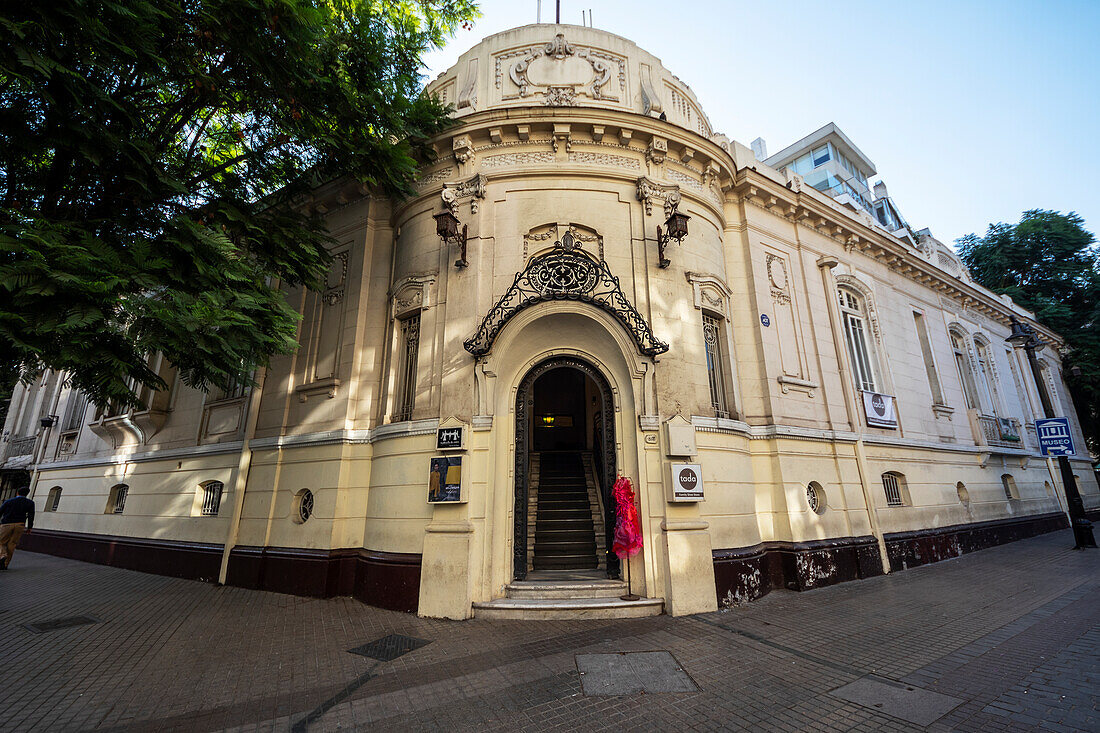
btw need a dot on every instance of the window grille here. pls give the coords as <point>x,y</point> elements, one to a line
<point>716,368</point>
<point>855,335</point>
<point>212,498</point>
<point>304,509</point>
<point>119,503</point>
<point>53,499</point>
<point>410,346</point>
<point>1009,485</point>
<point>893,489</point>
<point>815,497</point>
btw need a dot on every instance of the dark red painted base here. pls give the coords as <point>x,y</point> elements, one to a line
<point>920,547</point>
<point>384,579</point>
<point>748,573</point>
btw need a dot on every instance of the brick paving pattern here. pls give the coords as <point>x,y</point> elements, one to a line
<point>1014,632</point>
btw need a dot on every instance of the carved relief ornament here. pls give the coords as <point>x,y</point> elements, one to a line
<point>590,80</point>
<point>413,293</point>
<point>472,188</point>
<point>649,191</point>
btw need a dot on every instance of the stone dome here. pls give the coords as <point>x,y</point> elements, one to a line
<point>559,65</point>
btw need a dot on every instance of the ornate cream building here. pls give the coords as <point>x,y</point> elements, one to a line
<point>802,389</point>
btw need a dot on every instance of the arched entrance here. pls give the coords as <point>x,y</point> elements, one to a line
<point>565,436</point>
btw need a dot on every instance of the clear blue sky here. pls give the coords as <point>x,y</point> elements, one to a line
<point>971,111</point>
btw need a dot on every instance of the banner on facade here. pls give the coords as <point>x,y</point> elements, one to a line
<point>445,480</point>
<point>879,410</point>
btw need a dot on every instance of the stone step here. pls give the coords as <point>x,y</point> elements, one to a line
<point>571,562</point>
<point>544,609</point>
<point>545,590</point>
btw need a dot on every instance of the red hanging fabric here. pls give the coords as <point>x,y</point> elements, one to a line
<point>628,530</point>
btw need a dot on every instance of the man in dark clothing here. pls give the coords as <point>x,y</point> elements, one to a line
<point>14,514</point>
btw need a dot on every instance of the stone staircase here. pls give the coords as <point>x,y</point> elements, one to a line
<point>565,594</point>
<point>565,536</point>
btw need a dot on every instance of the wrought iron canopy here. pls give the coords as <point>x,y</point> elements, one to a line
<point>565,274</point>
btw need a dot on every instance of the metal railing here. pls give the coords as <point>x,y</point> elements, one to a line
<point>1001,432</point>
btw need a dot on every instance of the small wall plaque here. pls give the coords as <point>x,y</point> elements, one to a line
<point>448,438</point>
<point>687,482</point>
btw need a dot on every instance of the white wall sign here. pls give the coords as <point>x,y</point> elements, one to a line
<point>879,409</point>
<point>687,482</point>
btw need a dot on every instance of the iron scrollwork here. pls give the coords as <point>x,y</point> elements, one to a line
<point>565,274</point>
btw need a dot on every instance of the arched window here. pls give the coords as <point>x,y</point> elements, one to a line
<point>53,499</point>
<point>211,498</point>
<point>1009,484</point>
<point>897,493</point>
<point>116,500</point>
<point>966,370</point>
<point>853,314</point>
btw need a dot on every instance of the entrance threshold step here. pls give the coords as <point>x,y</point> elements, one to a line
<point>545,590</point>
<point>543,609</point>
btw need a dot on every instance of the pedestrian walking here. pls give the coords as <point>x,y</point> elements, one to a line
<point>16,517</point>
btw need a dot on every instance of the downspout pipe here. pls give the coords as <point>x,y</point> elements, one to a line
<point>40,449</point>
<point>827,264</point>
<point>240,474</point>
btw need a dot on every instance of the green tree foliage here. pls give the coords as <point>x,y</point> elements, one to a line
<point>1050,264</point>
<point>153,158</point>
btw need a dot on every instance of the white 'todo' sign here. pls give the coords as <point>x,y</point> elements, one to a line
<point>687,482</point>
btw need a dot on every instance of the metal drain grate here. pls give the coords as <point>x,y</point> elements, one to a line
<point>389,648</point>
<point>56,624</point>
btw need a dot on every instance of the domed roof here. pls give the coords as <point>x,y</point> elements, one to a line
<point>567,66</point>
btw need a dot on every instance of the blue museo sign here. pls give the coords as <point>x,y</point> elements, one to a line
<point>1055,438</point>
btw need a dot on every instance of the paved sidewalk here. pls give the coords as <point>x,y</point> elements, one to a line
<point>1005,639</point>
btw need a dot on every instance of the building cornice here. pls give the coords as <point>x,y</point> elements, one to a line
<point>805,206</point>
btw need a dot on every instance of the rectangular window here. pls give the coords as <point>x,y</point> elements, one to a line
<point>1021,394</point>
<point>821,155</point>
<point>802,165</point>
<point>716,365</point>
<point>211,498</point>
<point>409,346</point>
<point>893,490</point>
<point>929,363</point>
<point>78,403</point>
<point>966,374</point>
<point>856,336</point>
<point>120,499</point>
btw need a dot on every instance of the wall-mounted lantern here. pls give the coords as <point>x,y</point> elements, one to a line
<point>676,227</point>
<point>446,226</point>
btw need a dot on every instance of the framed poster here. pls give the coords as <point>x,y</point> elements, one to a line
<point>445,480</point>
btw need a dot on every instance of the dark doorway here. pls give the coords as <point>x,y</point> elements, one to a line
<point>563,440</point>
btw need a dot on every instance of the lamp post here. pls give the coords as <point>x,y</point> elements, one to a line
<point>1023,336</point>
